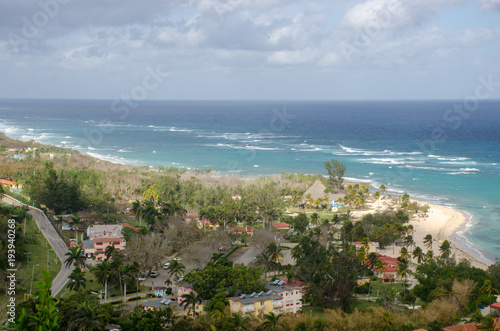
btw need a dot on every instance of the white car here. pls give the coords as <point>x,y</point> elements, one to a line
<point>166,265</point>
<point>178,258</point>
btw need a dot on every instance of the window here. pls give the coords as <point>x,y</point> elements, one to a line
<point>262,303</point>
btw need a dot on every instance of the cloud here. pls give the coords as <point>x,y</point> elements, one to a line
<point>393,14</point>
<point>490,5</point>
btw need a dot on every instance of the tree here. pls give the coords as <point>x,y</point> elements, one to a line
<point>129,274</point>
<point>190,300</point>
<point>403,272</point>
<point>336,171</point>
<point>272,322</point>
<point>235,322</point>
<point>445,249</point>
<point>110,250</point>
<point>418,254</point>
<point>320,325</point>
<point>176,268</point>
<point>428,241</point>
<point>103,273</point>
<point>77,280</point>
<point>487,288</point>
<point>85,317</point>
<point>75,256</point>
<point>45,313</point>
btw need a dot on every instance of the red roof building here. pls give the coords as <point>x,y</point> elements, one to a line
<point>471,326</point>
<point>242,229</point>
<point>6,182</point>
<point>281,226</point>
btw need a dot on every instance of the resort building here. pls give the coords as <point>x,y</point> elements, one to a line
<point>317,192</point>
<point>291,294</point>
<point>257,304</point>
<point>372,246</point>
<point>102,236</point>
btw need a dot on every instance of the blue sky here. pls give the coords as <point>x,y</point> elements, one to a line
<point>248,49</point>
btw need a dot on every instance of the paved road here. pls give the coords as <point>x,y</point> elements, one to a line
<point>54,240</point>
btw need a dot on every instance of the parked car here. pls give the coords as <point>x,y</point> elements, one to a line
<point>166,265</point>
<point>178,279</point>
<point>178,258</point>
<point>142,276</point>
<point>154,274</point>
<point>222,249</point>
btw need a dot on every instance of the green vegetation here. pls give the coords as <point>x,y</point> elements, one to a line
<point>325,258</point>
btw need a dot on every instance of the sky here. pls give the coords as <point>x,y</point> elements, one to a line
<point>249,49</point>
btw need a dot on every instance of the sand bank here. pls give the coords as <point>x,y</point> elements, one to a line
<point>442,223</point>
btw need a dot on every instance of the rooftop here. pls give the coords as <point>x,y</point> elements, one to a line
<point>256,297</point>
<point>105,231</point>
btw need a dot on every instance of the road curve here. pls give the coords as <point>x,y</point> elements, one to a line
<point>54,240</point>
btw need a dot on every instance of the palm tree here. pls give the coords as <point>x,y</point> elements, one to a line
<point>487,288</point>
<point>429,255</point>
<point>109,252</point>
<point>418,254</point>
<point>445,249</point>
<point>403,272</point>
<point>190,300</point>
<point>272,322</point>
<point>236,322</point>
<point>85,318</point>
<point>103,273</point>
<point>176,268</point>
<point>428,241</point>
<point>75,257</point>
<point>380,268</point>
<point>382,189</point>
<point>137,210</point>
<point>77,280</point>
<point>129,273</point>
<point>404,254</point>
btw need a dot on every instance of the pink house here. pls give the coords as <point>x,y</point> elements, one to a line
<point>102,236</point>
<point>183,289</point>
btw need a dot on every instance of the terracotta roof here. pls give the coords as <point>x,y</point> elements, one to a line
<point>6,182</point>
<point>126,225</point>
<point>496,306</point>
<point>470,326</point>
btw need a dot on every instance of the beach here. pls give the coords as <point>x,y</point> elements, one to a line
<point>442,223</point>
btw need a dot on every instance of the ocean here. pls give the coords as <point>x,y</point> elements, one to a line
<point>441,152</point>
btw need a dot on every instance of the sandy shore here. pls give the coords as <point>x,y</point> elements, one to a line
<point>442,223</point>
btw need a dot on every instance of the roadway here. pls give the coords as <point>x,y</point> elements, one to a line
<point>55,241</point>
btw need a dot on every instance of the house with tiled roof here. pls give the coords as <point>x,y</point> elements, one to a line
<point>257,304</point>
<point>472,326</point>
<point>102,236</point>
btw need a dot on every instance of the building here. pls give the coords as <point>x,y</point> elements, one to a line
<point>242,229</point>
<point>291,294</point>
<point>161,291</point>
<point>390,265</point>
<point>281,226</point>
<point>103,236</point>
<point>472,326</point>
<point>257,304</point>
<point>183,289</point>
<point>159,303</point>
<point>372,246</point>
<point>317,191</point>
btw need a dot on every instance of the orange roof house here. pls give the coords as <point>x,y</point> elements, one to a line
<point>6,182</point>
<point>281,225</point>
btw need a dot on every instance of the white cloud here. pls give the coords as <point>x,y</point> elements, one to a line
<point>490,4</point>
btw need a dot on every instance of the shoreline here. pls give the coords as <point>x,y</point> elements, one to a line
<point>443,223</point>
<point>455,221</point>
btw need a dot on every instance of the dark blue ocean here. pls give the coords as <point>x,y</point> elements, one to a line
<point>442,152</point>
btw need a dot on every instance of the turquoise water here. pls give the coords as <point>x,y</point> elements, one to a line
<point>426,148</point>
